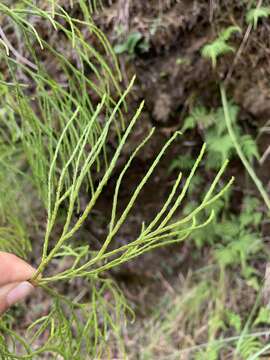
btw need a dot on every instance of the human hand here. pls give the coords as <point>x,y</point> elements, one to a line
<point>14,273</point>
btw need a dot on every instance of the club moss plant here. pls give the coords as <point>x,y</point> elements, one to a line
<point>54,140</point>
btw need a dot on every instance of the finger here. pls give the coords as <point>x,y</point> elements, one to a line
<point>13,293</point>
<point>4,290</point>
<point>14,269</point>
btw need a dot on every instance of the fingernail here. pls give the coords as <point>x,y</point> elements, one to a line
<point>19,293</point>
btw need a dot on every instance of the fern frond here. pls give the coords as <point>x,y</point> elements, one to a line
<point>234,320</point>
<point>229,31</point>
<point>249,346</point>
<point>199,116</point>
<point>216,49</point>
<point>219,46</point>
<point>221,145</point>
<point>254,15</point>
<point>249,147</point>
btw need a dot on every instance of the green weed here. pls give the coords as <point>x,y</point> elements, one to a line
<point>213,126</point>
<point>220,46</point>
<point>133,41</point>
<point>254,15</point>
<point>56,134</point>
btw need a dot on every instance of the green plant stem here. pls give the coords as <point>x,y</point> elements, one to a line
<point>240,153</point>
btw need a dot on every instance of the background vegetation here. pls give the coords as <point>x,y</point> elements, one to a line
<point>91,193</point>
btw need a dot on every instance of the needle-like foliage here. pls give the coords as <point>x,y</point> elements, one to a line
<point>55,136</point>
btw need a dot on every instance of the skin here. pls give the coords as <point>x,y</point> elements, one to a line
<point>14,276</point>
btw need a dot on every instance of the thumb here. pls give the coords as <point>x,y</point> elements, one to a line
<point>12,293</point>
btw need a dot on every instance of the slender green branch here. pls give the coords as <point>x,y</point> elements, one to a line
<point>240,153</point>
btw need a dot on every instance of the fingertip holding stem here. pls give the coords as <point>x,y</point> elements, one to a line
<point>35,280</point>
